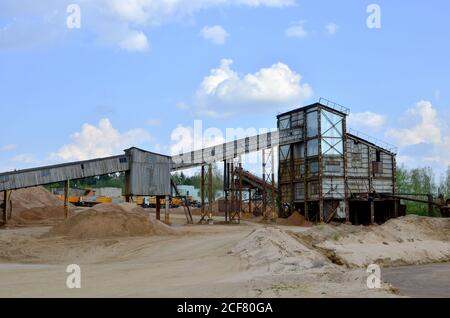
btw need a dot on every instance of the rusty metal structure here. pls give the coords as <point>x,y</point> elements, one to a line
<point>260,192</point>
<point>146,174</point>
<point>440,203</point>
<point>269,205</point>
<point>325,171</point>
<point>232,188</point>
<point>233,184</point>
<point>206,189</point>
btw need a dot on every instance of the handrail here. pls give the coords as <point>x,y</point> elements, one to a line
<point>376,141</point>
<point>334,105</point>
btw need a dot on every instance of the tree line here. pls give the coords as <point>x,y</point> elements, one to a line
<point>422,181</point>
<point>195,180</point>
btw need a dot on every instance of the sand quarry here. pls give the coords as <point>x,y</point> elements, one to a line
<point>124,252</point>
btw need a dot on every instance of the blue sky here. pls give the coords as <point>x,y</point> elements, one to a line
<point>137,70</point>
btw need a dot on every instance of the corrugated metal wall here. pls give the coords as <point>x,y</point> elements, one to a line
<point>149,173</point>
<point>225,151</point>
<point>57,173</point>
<point>361,160</point>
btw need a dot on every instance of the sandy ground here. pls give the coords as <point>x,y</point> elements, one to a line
<point>246,260</point>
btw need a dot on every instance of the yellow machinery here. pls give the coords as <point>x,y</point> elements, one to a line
<point>87,200</point>
<point>177,201</point>
<point>151,201</point>
<point>91,200</point>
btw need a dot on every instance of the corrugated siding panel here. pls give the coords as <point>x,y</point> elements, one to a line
<point>299,191</point>
<point>225,151</point>
<point>382,186</point>
<point>357,159</point>
<point>333,188</point>
<point>291,135</point>
<point>286,192</point>
<point>358,185</point>
<point>58,173</point>
<point>149,174</point>
<point>333,166</point>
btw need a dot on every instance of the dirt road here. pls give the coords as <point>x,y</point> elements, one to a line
<point>247,260</point>
<point>202,262</point>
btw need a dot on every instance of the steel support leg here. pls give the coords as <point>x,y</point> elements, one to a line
<point>396,202</point>
<point>167,210</point>
<point>250,201</point>
<point>5,207</point>
<point>430,205</point>
<point>66,198</point>
<point>321,216</point>
<point>158,208</point>
<point>211,195</point>
<point>225,187</point>
<point>202,192</point>
<point>372,211</point>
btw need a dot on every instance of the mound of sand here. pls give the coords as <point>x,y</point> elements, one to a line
<point>296,219</point>
<point>404,241</point>
<point>109,220</point>
<point>273,250</point>
<point>35,205</point>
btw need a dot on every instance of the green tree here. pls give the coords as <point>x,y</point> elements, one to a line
<point>195,180</point>
<point>416,181</point>
<point>403,176</point>
<point>447,182</point>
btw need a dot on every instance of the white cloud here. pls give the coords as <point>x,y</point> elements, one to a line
<point>427,141</point>
<point>296,30</point>
<point>366,120</point>
<point>224,92</point>
<point>215,34</point>
<point>7,148</point>
<point>332,28</point>
<point>185,139</point>
<point>426,131</point>
<point>135,41</point>
<point>162,11</point>
<point>100,141</point>
<point>435,155</point>
<point>404,159</point>
<point>441,153</point>
<point>114,22</point>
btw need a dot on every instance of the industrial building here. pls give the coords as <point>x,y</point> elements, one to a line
<point>324,171</point>
<point>328,173</point>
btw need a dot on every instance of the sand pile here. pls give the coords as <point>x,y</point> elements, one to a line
<point>403,241</point>
<point>34,206</point>
<point>273,250</point>
<point>24,199</point>
<point>110,220</point>
<point>296,219</point>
